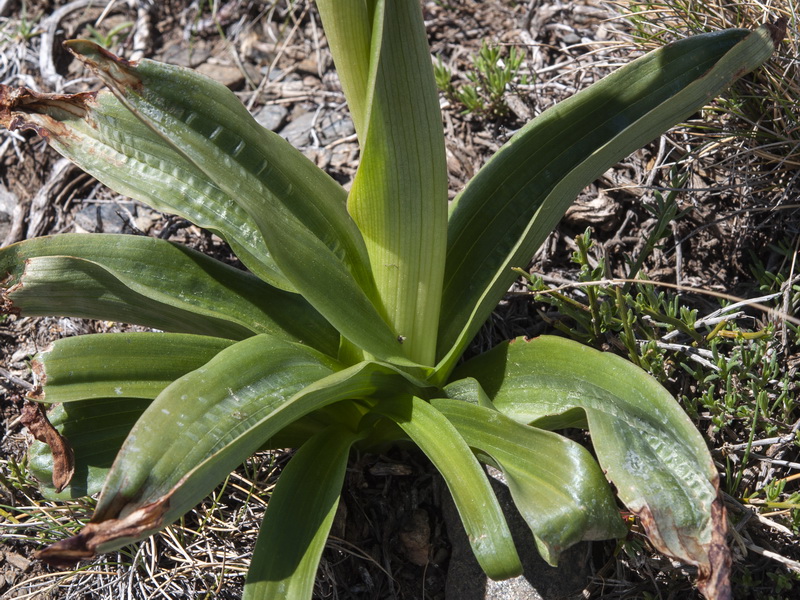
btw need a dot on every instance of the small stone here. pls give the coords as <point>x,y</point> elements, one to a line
<point>17,560</point>
<point>228,75</point>
<point>8,201</point>
<point>272,116</point>
<point>333,127</point>
<point>298,131</point>
<point>187,56</point>
<point>415,535</point>
<point>108,217</point>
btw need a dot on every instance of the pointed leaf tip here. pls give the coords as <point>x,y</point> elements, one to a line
<point>777,30</point>
<point>88,542</point>
<point>103,62</point>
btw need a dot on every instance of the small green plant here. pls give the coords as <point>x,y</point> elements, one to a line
<point>348,328</point>
<point>107,40</point>
<point>26,28</point>
<point>489,79</point>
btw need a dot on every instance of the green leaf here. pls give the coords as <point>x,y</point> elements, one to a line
<point>123,365</point>
<point>348,27</point>
<point>96,132</point>
<point>644,442</point>
<point>513,203</point>
<point>299,210</point>
<point>206,423</point>
<point>95,430</point>
<point>299,516</point>
<point>556,484</point>
<point>399,195</point>
<point>155,283</point>
<point>106,382</point>
<point>472,494</point>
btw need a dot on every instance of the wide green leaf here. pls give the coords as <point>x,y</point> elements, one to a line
<point>513,203</point>
<point>97,132</point>
<point>473,496</point>
<point>299,210</point>
<point>647,446</point>
<point>557,486</point>
<point>348,27</point>
<point>206,423</point>
<point>298,519</point>
<point>399,195</point>
<point>122,365</point>
<point>152,282</point>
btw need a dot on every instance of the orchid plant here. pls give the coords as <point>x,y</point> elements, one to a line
<point>347,327</point>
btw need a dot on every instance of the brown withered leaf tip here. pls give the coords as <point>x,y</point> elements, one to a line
<point>6,305</point>
<point>712,559</point>
<point>105,64</point>
<point>84,545</point>
<point>777,30</point>
<point>35,419</point>
<point>23,108</point>
<point>714,582</point>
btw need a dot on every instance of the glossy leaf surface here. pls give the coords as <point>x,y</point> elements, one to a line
<point>644,442</point>
<point>206,423</point>
<point>555,483</point>
<point>99,134</point>
<point>399,195</point>
<point>123,365</point>
<point>299,210</point>
<point>152,282</point>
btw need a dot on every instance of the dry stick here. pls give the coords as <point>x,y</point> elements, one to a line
<point>16,380</point>
<point>265,81</point>
<point>42,204</point>
<point>105,12</point>
<point>790,564</point>
<point>750,513</point>
<point>786,289</point>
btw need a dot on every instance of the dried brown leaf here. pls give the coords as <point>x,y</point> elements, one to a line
<point>35,419</point>
<point>712,559</point>
<point>85,544</point>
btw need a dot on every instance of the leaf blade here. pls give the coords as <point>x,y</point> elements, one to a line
<point>516,199</point>
<point>555,483</point>
<point>474,498</point>
<point>121,365</point>
<point>97,132</point>
<point>215,417</point>
<point>299,209</point>
<point>299,516</point>
<point>646,444</point>
<point>154,283</point>
<point>399,194</point>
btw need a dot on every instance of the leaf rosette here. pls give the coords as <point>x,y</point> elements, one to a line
<point>346,328</point>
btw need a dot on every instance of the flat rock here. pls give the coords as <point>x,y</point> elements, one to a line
<point>298,131</point>
<point>272,116</point>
